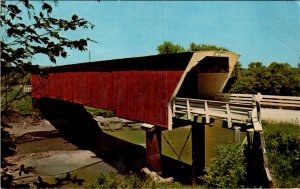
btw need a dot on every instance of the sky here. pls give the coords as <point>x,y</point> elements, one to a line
<point>266,31</point>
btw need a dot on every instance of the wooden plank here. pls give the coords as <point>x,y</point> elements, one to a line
<point>206,112</point>
<point>229,124</point>
<point>281,101</point>
<point>188,108</point>
<point>174,107</point>
<point>279,105</point>
<point>270,179</point>
<point>257,126</point>
<point>281,97</point>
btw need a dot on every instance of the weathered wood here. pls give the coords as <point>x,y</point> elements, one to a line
<point>173,107</point>
<point>206,112</point>
<point>188,109</point>
<point>229,123</point>
<point>265,100</point>
<point>217,109</point>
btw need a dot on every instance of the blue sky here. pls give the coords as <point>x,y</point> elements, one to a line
<point>259,31</point>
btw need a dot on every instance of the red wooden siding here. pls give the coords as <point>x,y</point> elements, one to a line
<point>135,88</point>
<point>137,95</point>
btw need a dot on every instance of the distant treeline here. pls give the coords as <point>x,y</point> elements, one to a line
<point>275,79</point>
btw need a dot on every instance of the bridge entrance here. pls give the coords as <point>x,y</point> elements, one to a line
<point>206,79</point>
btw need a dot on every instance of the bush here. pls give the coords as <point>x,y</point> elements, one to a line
<point>283,150</point>
<point>229,169</point>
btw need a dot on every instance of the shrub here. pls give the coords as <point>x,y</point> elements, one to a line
<point>229,169</point>
<point>283,150</point>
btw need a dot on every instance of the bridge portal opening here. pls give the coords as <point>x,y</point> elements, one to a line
<point>206,79</point>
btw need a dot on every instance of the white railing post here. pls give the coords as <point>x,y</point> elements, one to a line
<point>206,111</point>
<point>229,124</point>
<point>188,108</point>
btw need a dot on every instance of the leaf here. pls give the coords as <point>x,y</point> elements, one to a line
<point>63,54</point>
<point>74,17</point>
<point>47,7</point>
<point>14,9</point>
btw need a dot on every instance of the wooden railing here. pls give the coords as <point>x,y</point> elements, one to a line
<point>272,101</point>
<point>27,88</point>
<point>243,110</point>
<point>231,112</point>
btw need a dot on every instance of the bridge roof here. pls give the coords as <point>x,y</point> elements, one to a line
<point>176,61</point>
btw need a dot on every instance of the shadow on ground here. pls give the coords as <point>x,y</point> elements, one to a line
<point>77,126</point>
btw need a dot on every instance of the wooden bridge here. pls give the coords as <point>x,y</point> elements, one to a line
<point>156,89</point>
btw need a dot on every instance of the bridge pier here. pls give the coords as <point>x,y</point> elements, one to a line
<point>198,149</point>
<point>153,149</point>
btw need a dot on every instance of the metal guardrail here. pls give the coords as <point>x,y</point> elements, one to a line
<point>288,102</point>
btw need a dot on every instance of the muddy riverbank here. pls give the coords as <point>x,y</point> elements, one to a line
<point>52,152</point>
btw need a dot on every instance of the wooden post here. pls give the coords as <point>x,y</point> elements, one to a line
<point>198,149</point>
<point>229,124</point>
<point>188,109</point>
<point>237,134</point>
<point>250,134</point>
<point>173,107</point>
<point>153,144</point>
<point>206,111</point>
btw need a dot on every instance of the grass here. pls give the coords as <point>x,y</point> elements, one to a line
<point>98,112</point>
<point>283,150</point>
<point>16,100</point>
<point>114,180</point>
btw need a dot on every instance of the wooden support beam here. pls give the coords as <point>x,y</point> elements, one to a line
<point>173,107</point>
<point>228,112</point>
<point>188,109</point>
<point>153,149</point>
<point>206,111</point>
<point>237,134</point>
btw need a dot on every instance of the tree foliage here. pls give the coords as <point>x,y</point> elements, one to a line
<point>275,79</point>
<point>28,31</point>
<point>229,170</point>
<point>206,47</point>
<point>168,47</point>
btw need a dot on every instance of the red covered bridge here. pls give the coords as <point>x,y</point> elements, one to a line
<point>141,88</point>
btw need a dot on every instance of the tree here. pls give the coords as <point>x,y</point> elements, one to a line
<point>276,79</point>
<point>169,48</point>
<point>21,40</point>
<point>282,79</point>
<point>206,47</point>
